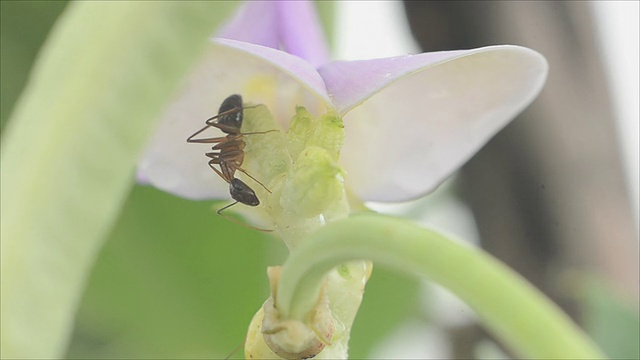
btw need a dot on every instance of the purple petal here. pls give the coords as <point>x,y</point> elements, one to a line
<point>425,115</point>
<point>350,83</point>
<point>291,26</point>
<point>261,75</point>
<point>300,31</point>
<point>255,22</point>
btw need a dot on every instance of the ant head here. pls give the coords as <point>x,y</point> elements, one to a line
<point>242,193</point>
<point>234,118</point>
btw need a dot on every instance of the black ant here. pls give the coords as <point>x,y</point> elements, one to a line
<point>228,151</point>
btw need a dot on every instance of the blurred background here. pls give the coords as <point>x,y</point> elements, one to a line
<point>554,195</point>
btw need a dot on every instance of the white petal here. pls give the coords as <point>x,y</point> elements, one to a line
<point>413,120</point>
<point>260,75</point>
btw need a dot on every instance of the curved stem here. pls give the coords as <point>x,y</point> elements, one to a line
<point>508,305</point>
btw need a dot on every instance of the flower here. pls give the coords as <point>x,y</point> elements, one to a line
<point>410,120</point>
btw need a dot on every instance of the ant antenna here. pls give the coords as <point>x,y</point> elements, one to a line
<point>229,112</point>
<point>235,350</point>
<point>219,212</point>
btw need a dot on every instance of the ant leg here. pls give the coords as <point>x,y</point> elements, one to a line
<point>236,349</point>
<point>251,106</point>
<point>215,162</point>
<point>219,212</point>
<point>254,179</point>
<point>225,128</point>
<point>260,132</point>
<point>231,143</point>
<point>214,140</point>
<point>227,169</point>
<point>210,122</point>
<point>225,208</point>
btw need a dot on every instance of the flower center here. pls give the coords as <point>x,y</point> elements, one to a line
<point>299,167</point>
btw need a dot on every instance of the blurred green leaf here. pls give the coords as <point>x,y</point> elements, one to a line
<point>69,152</point>
<point>613,323</point>
<point>24,25</point>
<point>389,299</point>
<point>175,280</point>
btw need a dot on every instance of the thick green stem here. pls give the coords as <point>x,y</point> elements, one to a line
<point>69,153</point>
<point>515,311</point>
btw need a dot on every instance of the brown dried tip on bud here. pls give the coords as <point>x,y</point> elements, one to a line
<point>295,339</point>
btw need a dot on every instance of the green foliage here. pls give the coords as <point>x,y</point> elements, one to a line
<point>175,280</point>
<point>69,153</point>
<point>24,26</point>
<point>613,323</point>
<point>389,299</point>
